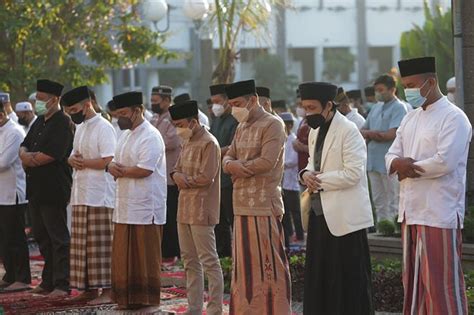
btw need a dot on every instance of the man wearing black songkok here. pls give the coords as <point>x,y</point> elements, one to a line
<point>337,212</point>
<point>44,154</point>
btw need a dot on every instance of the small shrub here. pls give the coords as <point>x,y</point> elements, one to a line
<point>387,285</point>
<point>386,228</point>
<point>468,232</point>
<point>469,277</point>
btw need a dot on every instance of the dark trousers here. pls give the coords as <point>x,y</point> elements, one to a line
<point>15,253</point>
<point>170,243</point>
<point>52,235</point>
<point>292,216</point>
<point>223,230</point>
<point>337,272</point>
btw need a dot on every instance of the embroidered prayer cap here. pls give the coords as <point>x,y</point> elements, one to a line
<point>128,99</point>
<point>369,91</point>
<point>4,97</point>
<point>240,88</point>
<point>415,66</point>
<point>287,117</point>
<point>75,96</point>
<point>186,109</point>
<point>279,104</point>
<point>23,107</point>
<point>50,87</point>
<point>181,98</point>
<point>162,90</point>
<point>341,95</point>
<point>263,91</point>
<point>217,89</point>
<point>321,91</point>
<point>354,94</point>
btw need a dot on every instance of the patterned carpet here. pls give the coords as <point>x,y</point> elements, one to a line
<point>173,298</point>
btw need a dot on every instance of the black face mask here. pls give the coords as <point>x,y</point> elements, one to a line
<point>125,123</point>
<point>315,121</point>
<point>78,117</point>
<point>156,108</point>
<point>22,121</point>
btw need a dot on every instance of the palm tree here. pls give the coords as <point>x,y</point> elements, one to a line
<point>230,18</point>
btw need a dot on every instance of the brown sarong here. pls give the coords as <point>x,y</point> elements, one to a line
<point>136,264</point>
<point>91,247</point>
<point>260,274</point>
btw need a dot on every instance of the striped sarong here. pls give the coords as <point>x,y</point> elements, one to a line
<point>91,247</point>
<point>433,279</point>
<point>260,273</point>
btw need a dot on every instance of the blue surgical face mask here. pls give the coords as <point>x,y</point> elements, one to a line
<point>414,97</point>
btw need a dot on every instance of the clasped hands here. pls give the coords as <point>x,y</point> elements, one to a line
<point>406,168</point>
<point>237,170</point>
<point>311,180</point>
<point>76,161</point>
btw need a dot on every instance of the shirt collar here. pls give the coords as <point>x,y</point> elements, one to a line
<point>198,133</point>
<point>255,114</point>
<point>93,119</point>
<point>438,104</point>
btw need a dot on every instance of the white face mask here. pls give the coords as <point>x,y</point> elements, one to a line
<point>452,97</point>
<point>184,133</point>
<point>218,109</point>
<point>300,112</point>
<point>241,114</point>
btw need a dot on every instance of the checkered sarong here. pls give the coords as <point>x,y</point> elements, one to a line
<point>91,247</point>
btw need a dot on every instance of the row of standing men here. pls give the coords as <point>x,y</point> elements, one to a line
<point>337,213</point>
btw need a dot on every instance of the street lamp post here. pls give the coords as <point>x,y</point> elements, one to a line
<point>154,11</point>
<point>196,10</point>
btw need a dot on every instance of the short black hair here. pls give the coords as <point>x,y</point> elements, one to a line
<point>2,108</point>
<point>387,80</point>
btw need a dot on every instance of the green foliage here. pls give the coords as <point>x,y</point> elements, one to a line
<point>73,42</point>
<point>226,265</point>
<point>434,38</point>
<point>338,64</point>
<point>390,265</point>
<point>468,232</point>
<point>469,278</point>
<point>229,19</point>
<point>270,72</point>
<point>386,227</point>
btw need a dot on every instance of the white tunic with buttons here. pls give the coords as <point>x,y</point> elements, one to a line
<point>438,139</point>
<point>141,201</point>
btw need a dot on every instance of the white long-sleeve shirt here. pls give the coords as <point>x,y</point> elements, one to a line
<point>12,176</point>
<point>290,173</point>
<point>438,139</point>
<point>356,118</point>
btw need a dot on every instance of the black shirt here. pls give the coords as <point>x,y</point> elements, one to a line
<point>50,183</point>
<point>223,128</point>
<point>318,149</point>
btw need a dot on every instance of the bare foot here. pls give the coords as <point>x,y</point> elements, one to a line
<point>104,298</point>
<point>150,309</point>
<point>4,284</point>
<point>16,287</point>
<point>87,295</point>
<point>40,290</point>
<point>58,293</point>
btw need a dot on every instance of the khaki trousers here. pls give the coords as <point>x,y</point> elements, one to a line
<point>198,251</point>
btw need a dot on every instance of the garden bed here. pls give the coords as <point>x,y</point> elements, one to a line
<point>383,247</point>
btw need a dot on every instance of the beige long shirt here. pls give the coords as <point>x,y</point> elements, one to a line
<point>200,161</point>
<point>259,143</point>
<point>172,141</point>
